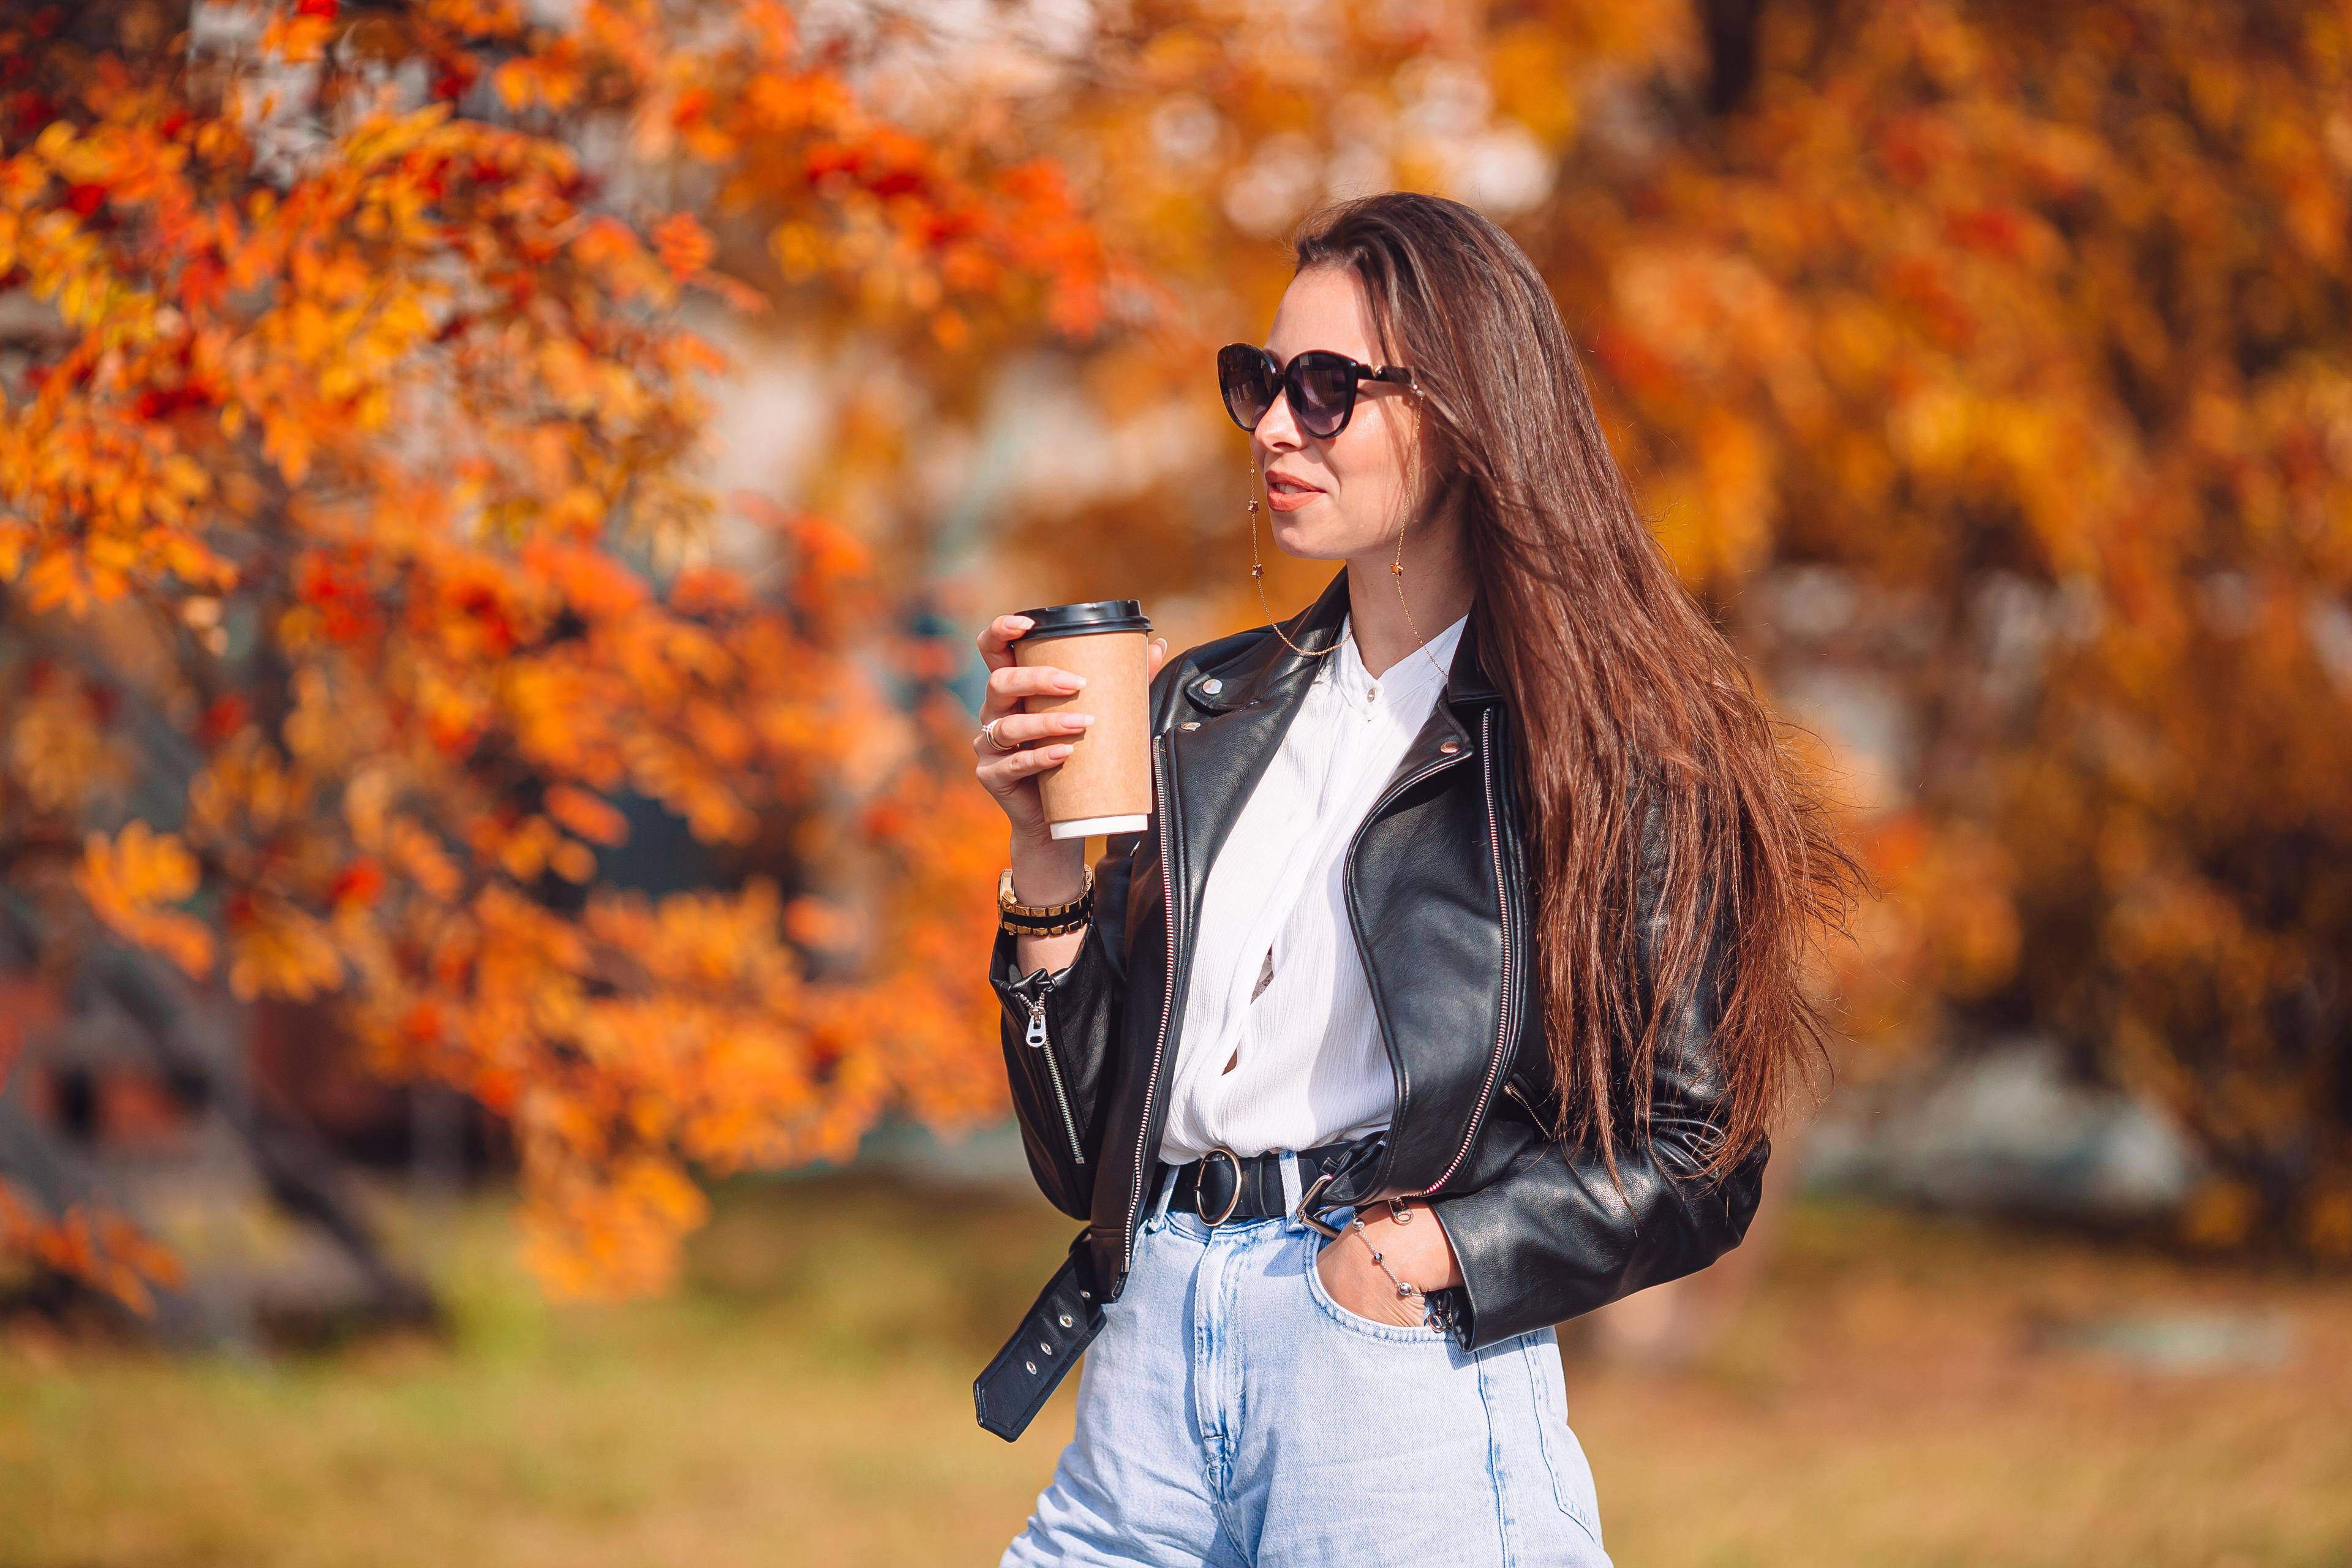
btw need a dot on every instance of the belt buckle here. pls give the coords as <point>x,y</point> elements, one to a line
<point>1235,1200</point>
<point>1305,1212</point>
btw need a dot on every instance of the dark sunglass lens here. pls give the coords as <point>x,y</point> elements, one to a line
<point>1326,388</point>
<point>1247,384</point>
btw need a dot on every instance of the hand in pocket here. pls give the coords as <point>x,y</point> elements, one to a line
<point>1353,1281</point>
<point>1416,1249</point>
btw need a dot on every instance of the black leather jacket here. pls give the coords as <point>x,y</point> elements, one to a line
<point>1438,897</point>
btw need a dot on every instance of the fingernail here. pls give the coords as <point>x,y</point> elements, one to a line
<point>1076,681</point>
<point>1080,718</point>
<point>1060,751</point>
<point>1024,622</point>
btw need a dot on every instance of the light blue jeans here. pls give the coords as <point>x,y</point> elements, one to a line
<point>1232,1415</point>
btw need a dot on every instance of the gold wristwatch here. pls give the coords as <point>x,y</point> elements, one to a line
<point>1044,919</point>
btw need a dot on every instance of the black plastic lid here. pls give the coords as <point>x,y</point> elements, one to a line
<point>1086,620</point>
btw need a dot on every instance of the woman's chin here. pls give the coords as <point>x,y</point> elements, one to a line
<point>1298,535</point>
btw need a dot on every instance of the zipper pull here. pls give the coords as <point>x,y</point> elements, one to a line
<point>1036,1034</point>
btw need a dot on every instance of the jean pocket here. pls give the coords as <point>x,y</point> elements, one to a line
<point>1371,1328</point>
<point>1571,1473</point>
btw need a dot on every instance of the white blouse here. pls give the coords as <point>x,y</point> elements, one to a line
<point>1279,1048</point>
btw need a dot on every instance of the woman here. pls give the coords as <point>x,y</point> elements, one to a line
<point>1449,992</point>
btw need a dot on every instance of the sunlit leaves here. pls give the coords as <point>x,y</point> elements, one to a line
<point>2038,325</point>
<point>100,1248</point>
<point>343,495</point>
<point>2024,327</point>
<point>133,881</point>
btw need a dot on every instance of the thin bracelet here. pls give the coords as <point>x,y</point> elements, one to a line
<point>1404,1290</point>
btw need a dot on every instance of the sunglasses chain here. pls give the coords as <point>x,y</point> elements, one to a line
<point>1257,575</point>
<point>1396,575</point>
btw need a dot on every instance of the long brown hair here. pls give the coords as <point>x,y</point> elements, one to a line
<point>1625,700</point>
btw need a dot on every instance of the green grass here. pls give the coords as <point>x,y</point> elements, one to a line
<point>1887,1397</point>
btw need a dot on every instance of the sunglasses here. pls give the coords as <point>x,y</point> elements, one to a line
<point>1320,385</point>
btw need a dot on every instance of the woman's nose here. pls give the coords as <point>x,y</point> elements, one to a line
<point>1277,429</point>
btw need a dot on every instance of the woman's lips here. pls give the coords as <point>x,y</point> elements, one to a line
<point>1281,500</point>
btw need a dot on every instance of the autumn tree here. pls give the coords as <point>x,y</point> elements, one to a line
<point>1984,365</point>
<point>356,567</point>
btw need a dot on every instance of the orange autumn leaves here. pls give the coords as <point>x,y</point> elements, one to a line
<point>348,501</point>
<point>354,566</point>
<point>132,883</point>
<point>2035,327</point>
<point>2006,350</point>
<point>98,1247</point>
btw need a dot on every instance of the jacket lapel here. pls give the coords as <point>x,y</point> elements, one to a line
<point>1444,737</point>
<point>1245,706</point>
<point>1231,719</point>
<point>1433,849</point>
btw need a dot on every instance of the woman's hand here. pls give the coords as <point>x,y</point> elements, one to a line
<point>1416,1248</point>
<point>1045,870</point>
<point>1044,739</point>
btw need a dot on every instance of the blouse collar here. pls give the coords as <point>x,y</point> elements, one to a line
<point>1418,672</point>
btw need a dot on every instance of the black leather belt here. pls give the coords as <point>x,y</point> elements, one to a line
<point>1067,1315</point>
<point>1222,1186</point>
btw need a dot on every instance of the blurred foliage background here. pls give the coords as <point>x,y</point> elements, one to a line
<point>495,498</point>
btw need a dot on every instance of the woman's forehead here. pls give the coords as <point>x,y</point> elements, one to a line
<point>1324,308</point>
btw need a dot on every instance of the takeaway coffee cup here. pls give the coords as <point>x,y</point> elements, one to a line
<point>1103,785</point>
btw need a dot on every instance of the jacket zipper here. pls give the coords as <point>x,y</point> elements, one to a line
<point>1503,903</point>
<point>1167,988</point>
<point>1388,1151</point>
<point>1037,1040</point>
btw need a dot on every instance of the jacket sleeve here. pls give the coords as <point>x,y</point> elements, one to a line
<point>1551,1238</point>
<point>1061,1084</point>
